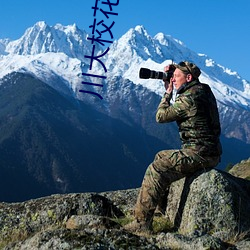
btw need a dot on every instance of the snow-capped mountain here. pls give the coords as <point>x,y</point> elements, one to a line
<point>41,38</point>
<point>55,55</point>
<point>47,51</point>
<point>138,49</point>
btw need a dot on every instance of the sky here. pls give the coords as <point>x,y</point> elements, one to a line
<point>217,28</point>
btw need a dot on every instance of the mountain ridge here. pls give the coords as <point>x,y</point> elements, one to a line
<point>56,144</point>
<point>138,48</point>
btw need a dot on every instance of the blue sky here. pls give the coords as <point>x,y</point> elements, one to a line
<point>218,28</point>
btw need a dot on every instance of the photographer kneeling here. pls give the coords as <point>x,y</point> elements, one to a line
<point>195,111</point>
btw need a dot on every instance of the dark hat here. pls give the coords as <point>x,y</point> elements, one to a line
<point>189,68</point>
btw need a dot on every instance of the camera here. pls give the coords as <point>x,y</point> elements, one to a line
<point>145,73</point>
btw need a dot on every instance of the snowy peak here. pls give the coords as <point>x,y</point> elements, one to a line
<point>132,49</point>
<point>35,40</point>
<point>137,49</point>
<point>59,50</point>
<point>42,38</point>
<point>139,42</point>
<point>137,46</point>
<point>159,48</point>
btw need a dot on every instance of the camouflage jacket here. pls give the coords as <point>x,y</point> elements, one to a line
<point>195,111</point>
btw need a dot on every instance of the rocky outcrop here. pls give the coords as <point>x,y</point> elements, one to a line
<point>210,202</point>
<point>209,210</point>
<point>241,169</point>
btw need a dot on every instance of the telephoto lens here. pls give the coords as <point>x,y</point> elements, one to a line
<point>145,73</point>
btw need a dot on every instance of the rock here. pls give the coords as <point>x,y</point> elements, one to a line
<point>63,239</point>
<point>178,241</point>
<point>90,221</point>
<point>209,210</point>
<point>212,202</point>
<point>124,199</point>
<point>243,245</point>
<point>20,220</point>
<point>241,169</point>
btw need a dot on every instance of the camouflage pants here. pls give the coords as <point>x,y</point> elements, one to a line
<point>167,167</point>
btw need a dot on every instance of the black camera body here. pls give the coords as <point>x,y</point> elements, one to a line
<point>145,73</point>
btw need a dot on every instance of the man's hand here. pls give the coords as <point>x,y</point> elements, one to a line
<point>168,85</point>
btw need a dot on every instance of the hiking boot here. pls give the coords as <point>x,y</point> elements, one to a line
<point>140,227</point>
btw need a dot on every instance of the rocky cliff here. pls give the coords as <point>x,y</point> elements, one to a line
<point>207,211</point>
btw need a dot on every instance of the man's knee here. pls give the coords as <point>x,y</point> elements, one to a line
<point>162,160</point>
<point>162,154</point>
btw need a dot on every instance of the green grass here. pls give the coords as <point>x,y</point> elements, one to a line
<point>160,223</point>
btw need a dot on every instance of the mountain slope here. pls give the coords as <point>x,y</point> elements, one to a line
<point>50,143</point>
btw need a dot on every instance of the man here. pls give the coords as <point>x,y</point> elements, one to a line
<point>195,111</point>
